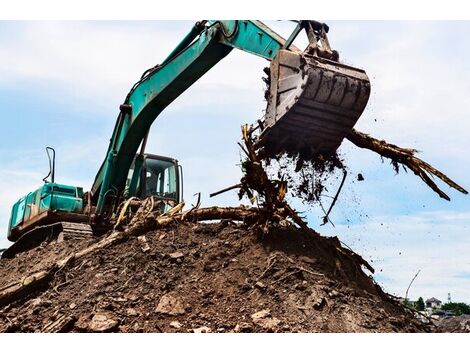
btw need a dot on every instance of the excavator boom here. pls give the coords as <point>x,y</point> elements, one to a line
<point>343,91</point>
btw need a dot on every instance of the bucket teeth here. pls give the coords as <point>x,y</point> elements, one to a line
<point>313,103</point>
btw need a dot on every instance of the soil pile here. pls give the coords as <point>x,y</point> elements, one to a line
<point>216,277</point>
<point>454,324</point>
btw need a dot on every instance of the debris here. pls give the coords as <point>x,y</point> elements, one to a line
<point>132,312</point>
<point>260,285</point>
<point>243,327</point>
<point>405,157</point>
<point>103,322</point>
<point>264,319</point>
<point>175,324</point>
<point>170,304</point>
<point>222,298</point>
<point>455,324</point>
<point>202,329</point>
<point>176,255</point>
<point>63,324</point>
<point>145,248</point>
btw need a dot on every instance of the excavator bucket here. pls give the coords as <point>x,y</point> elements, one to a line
<point>313,103</point>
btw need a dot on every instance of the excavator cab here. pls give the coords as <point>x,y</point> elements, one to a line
<point>160,177</point>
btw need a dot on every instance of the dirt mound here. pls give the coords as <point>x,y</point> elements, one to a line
<point>454,324</point>
<point>205,278</point>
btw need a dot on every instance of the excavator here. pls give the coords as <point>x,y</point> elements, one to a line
<point>313,102</point>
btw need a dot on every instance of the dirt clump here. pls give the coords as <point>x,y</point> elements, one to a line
<point>217,277</point>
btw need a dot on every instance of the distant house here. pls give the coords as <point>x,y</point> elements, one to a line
<point>433,303</point>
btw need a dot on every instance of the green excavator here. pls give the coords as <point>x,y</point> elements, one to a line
<point>313,103</point>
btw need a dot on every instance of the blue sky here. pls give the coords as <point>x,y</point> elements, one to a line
<point>61,84</point>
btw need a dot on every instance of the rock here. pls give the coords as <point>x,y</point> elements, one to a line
<point>264,319</point>
<point>260,285</point>
<point>176,255</point>
<point>243,327</point>
<point>132,312</point>
<point>202,329</point>
<point>175,324</point>
<point>333,293</point>
<point>103,322</point>
<point>142,239</point>
<point>133,297</point>
<point>145,248</point>
<point>170,304</point>
<point>72,305</point>
<point>83,322</point>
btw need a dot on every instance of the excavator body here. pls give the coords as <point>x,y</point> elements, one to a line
<point>55,209</point>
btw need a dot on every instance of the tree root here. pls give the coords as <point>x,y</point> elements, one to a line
<point>406,157</point>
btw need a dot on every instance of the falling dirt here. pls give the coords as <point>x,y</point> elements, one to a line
<point>308,180</point>
<point>216,277</point>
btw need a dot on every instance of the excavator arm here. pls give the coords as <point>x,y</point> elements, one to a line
<point>313,99</point>
<point>205,45</point>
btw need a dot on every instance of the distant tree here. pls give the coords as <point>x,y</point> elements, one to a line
<point>458,308</point>
<point>419,304</point>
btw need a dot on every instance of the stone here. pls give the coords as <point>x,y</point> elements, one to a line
<point>243,327</point>
<point>132,312</point>
<point>103,322</point>
<point>170,304</point>
<point>264,319</point>
<point>145,248</point>
<point>175,324</point>
<point>202,329</point>
<point>333,293</point>
<point>72,305</point>
<point>176,255</point>
<point>261,314</point>
<point>260,285</point>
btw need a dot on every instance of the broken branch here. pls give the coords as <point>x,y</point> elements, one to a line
<point>406,157</point>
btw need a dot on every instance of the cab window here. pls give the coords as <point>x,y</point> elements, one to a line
<point>160,179</point>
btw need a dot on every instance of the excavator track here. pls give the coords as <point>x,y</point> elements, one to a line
<point>59,231</point>
<point>313,104</point>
